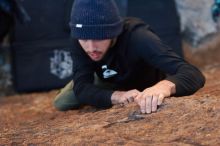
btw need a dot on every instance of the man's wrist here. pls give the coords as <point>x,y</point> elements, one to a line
<point>168,84</point>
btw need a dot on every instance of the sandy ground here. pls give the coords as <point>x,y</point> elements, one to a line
<point>30,119</point>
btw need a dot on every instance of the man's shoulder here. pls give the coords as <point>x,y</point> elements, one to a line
<point>136,30</point>
<point>132,23</point>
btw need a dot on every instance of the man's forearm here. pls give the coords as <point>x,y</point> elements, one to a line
<point>188,80</point>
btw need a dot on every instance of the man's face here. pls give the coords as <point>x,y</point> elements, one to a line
<point>96,49</point>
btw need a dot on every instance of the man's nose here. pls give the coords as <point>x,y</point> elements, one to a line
<point>91,45</point>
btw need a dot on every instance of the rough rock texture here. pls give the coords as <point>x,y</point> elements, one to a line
<point>31,120</point>
<point>196,20</point>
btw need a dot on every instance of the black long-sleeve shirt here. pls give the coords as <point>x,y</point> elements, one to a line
<point>139,59</point>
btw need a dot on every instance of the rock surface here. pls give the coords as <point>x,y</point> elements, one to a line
<point>30,119</point>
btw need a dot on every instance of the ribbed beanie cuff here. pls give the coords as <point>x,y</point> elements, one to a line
<point>96,32</point>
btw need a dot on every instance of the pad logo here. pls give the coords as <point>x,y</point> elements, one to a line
<point>61,64</point>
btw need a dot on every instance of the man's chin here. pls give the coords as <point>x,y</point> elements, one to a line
<point>96,58</point>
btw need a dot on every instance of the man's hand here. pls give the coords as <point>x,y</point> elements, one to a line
<point>124,97</point>
<point>150,98</point>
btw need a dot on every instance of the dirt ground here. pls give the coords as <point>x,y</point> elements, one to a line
<point>30,119</point>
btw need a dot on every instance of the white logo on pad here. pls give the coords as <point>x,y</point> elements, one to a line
<point>61,64</point>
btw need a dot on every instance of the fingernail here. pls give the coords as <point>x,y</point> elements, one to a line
<point>154,109</point>
<point>148,111</point>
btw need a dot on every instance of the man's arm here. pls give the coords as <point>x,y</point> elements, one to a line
<point>182,78</point>
<point>186,77</point>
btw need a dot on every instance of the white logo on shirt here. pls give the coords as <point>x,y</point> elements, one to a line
<point>108,72</point>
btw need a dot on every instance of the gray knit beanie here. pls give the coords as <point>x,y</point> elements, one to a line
<point>95,19</point>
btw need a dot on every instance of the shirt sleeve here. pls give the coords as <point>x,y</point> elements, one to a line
<point>84,89</point>
<point>187,78</point>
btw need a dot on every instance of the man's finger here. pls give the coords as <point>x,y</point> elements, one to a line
<point>142,105</point>
<point>148,104</point>
<point>134,95</point>
<point>160,99</point>
<point>130,99</point>
<point>154,103</point>
<point>137,99</point>
<point>125,102</point>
